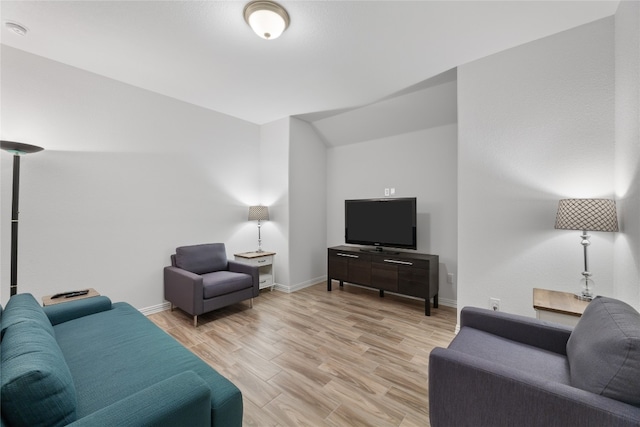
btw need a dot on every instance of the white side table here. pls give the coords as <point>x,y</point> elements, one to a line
<point>264,262</point>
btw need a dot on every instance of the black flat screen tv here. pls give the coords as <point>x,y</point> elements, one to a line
<point>381,222</point>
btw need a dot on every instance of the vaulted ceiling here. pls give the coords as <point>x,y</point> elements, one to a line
<point>335,55</point>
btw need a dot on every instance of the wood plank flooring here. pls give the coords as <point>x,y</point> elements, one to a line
<point>317,358</point>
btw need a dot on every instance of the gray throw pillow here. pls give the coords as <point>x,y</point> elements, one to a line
<point>604,351</point>
<point>201,259</point>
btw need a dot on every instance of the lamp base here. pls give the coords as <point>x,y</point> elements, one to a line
<point>582,297</point>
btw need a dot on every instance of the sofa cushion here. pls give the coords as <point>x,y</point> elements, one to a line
<point>24,307</point>
<point>119,352</point>
<point>36,386</point>
<point>224,282</point>
<point>200,259</point>
<point>604,351</point>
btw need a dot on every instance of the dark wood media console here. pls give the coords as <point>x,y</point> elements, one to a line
<point>405,273</point>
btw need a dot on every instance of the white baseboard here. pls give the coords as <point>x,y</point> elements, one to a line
<point>448,302</point>
<point>155,308</point>
<point>292,288</point>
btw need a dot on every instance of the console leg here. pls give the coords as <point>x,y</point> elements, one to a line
<point>435,301</point>
<point>381,293</point>
<point>341,283</point>
<point>195,321</point>
<point>329,285</point>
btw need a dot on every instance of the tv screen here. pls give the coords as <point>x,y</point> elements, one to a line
<point>381,222</point>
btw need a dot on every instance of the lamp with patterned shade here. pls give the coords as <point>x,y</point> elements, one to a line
<point>259,213</point>
<point>587,215</point>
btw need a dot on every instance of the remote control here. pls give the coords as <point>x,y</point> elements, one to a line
<point>76,294</point>
<point>70,294</point>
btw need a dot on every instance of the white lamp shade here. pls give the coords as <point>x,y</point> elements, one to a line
<point>266,24</point>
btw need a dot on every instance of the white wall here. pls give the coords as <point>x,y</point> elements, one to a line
<point>274,189</point>
<point>127,175</point>
<point>307,206</point>
<point>627,161</point>
<point>419,164</point>
<point>535,125</point>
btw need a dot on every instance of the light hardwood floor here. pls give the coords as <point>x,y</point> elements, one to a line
<point>312,357</point>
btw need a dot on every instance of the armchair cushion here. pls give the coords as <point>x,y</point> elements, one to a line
<point>604,350</point>
<point>224,282</point>
<point>537,361</point>
<point>200,259</point>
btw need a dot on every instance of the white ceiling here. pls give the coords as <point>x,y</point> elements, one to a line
<point>335,54</point>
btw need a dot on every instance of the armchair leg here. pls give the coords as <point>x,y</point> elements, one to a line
<point>195,321</point>
<point>172,306</point>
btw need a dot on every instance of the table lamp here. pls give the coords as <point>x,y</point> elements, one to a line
<point>587,215</point>
<point>259,213</point>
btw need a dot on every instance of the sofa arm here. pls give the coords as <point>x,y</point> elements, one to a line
<point>526,330</point>
<point>469,391</point>
<point>182,400</point>
<point>59,313</point>
<point>251,270</point>
<point>184,289</point>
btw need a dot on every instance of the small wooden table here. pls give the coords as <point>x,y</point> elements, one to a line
<point>559,307</point>
<point>47,300</point>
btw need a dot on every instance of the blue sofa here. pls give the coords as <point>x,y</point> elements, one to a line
<point>508,370</point>
<point>93,363</point>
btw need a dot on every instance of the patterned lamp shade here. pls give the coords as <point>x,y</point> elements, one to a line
<point>587,214</point>
<point>258,213</point>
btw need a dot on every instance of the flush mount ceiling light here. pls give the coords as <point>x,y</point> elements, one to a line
<point>267,18</point>
<point>16,28</point>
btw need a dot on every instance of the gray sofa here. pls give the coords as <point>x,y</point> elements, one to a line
<point>201,279</point>
<point>508,370</point>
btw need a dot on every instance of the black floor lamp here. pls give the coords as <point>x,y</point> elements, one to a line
<point>17,149</point>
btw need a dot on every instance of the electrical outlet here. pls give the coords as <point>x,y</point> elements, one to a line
<point>386,192</point>
<point>450,278</point>
<point>494,304</point>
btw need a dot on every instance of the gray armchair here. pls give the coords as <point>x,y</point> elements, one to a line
<point>201,279</point>
<point>508,370</point>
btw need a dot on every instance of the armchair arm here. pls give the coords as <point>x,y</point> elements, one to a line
<point>251,270</point>
<point>526,330</point>
<point>59,313</point>
<point>469,391</point>
<point>182,400</point>
<point>184,289</point>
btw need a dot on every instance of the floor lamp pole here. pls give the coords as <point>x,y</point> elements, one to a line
<point>14,224</point>
<point>17,149</point>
